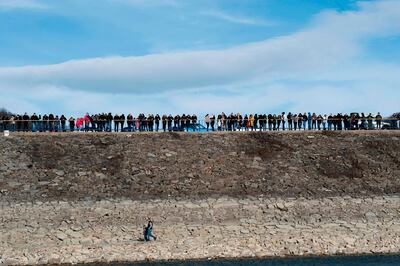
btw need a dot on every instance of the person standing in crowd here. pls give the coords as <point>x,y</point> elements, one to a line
<point>157,122</point>
<point>164,122</point>
<point>12,123</point>
<point>93,122</point>
<point>370,120</point>
<point>116,123</point>
<point>300,117</point>
<point>314,121</point>
<point>339,120</point>
<point>283,120</point>
<point>251,122</point>
<point>150,122</point>
<point>136,123</point>
<point>319,121</point>
<point>207,121</point>
<point>26,120</point>
<point>304,118</point>
<point>177,121</point>
<point>290,121</point>
<point>309,121</point>
<point>295,121</point>
<point>275,122</point>
<point>122,121</point>
<point>56,124</point>
<point>346,121</point>
<point>170,119</point>
<point>239,121</point>
<point>352,120</point>
<point>109,122</point>
<point>270,123</point>
<point>255,122</point>
<point>278,122</point>
<point>18,126</point>
<point>34,122</point>
<point>86,119</point>
<point>330,122</point>
<point>129,122</point>
<point>212,122</point>
<point>51,122</point>
<point>324,121</point>
<point>183,122</point>
<point>363,123</point>
<point>140,121</point>
<point>45,123</point>
<point>71,124</point>
<point>63,120</point>
<point>219,122</point>
<point>334,122</point>
<point>194,119</point>
<point>246,122</point>
<point>378,120</point>
<point>261,122</point>
<point>187,124</point>
<point>232,119</point>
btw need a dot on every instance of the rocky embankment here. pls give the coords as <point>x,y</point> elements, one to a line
<point>79,198</point>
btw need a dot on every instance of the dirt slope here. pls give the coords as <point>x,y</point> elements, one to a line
<point>181,165</point>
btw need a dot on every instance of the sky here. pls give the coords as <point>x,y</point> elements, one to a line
<point>199,56</point>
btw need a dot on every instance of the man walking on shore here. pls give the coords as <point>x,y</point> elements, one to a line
<point>148,232</point>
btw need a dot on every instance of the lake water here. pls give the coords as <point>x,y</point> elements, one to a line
<point>324,261</point>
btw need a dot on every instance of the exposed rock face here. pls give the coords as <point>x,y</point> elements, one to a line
<point>79,198</point>
<point>154,166</point>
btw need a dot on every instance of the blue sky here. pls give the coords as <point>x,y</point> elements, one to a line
<point>199,56</point>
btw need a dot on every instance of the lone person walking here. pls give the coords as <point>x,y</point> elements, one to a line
<point>148,231</point>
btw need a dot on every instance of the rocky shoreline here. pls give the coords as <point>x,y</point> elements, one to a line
<point>109,231</point>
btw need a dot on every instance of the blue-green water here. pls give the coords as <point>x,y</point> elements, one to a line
<point>322,261</point>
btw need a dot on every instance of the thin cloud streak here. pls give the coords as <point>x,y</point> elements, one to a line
<point>236,19</point>
<point>7,5</point>
<point>147,3</point>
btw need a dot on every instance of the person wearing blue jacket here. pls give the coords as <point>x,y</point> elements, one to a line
<point>309,120</point>
<point>148,231</point>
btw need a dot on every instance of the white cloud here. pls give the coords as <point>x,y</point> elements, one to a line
<point>261,76</point>
<point>21,4</point>
<point>236,19</point>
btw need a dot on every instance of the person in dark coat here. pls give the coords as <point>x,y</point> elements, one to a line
<point>51,122</point>
<point>63,120</point>
<point>378,119</point>
<point>370,120</point>
<point>71,124</point>
<point>183,122</point>
<point>34,122</point>
<point>116,123</point>
<point>25,123</point>
<point>157,121</point>
<point>129,122</point>
<point>169,122</point>
<point>164,122</point>
<point>122,121</point>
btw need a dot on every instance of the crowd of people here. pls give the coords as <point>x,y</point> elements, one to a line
<point>108,122</point>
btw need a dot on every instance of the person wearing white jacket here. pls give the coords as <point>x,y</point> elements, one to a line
<point>324,121</point>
